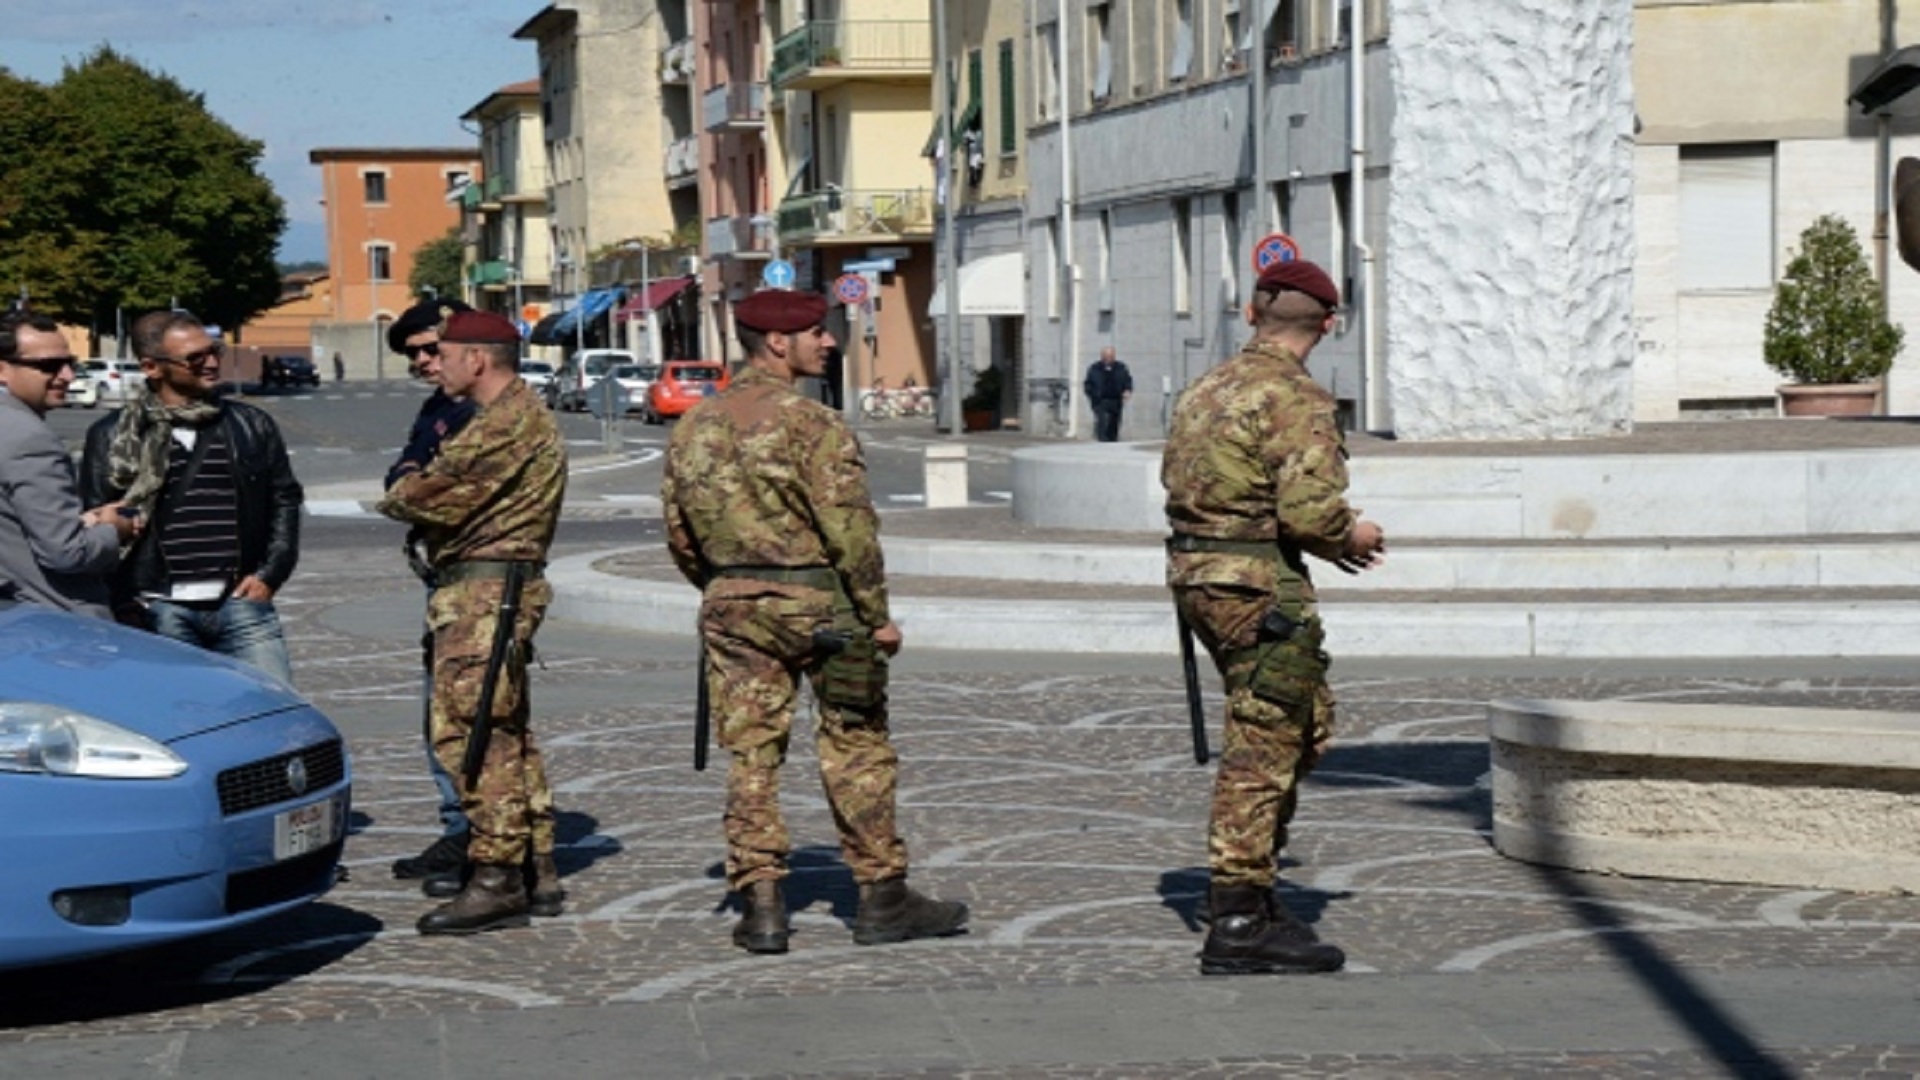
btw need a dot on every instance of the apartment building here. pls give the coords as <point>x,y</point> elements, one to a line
<point>505,207</point>
<point>849,87</point>
<point>738,164</point>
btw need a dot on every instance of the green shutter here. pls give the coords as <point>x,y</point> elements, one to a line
<point>1009,115</point>
<point>975,76</point>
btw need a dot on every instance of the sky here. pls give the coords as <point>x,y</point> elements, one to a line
<point>297,74</point>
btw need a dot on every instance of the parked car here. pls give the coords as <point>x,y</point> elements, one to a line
<point>83,391</point>
<point>682,385</point>
<point>581,371</point>
<point>107,381</point>
<point>152,791</point>
<point>539,377</point>
<point>635,379</point>
<point>288,371</point>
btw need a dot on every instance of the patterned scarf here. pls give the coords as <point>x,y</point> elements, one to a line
<point>142,439</point>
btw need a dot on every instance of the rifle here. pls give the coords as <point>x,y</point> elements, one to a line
<point>702,713</point>
<point>1196,712</point>
<point>482,733</point>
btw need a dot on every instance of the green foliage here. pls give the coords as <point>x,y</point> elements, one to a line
<point>437,265</point>
<point>1827,324</point>
<point>119,189</point>
<point>986,392</point>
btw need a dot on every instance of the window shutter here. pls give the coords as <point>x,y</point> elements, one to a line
<point>1009,115</point>
<point>1726,217</point>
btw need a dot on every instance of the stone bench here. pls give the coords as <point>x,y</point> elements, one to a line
<point>1821,798</point>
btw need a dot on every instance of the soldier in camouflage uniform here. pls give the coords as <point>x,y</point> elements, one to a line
<point>768,514</point>
<point>1256,475</point>
<point>490,498</point>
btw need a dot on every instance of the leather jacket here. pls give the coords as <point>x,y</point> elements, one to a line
<point>269,498</point>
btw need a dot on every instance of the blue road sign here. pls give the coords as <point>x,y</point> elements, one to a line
<point>1275,248</point>
<point>523,326</point>
<point>777,274</point>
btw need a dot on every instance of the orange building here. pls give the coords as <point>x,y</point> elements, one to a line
<point>382,205</point>
<point>305,298</point>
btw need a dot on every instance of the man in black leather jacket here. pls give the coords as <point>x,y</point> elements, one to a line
<point>218,493</point>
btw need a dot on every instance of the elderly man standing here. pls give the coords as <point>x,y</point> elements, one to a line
<point>1109,386</point>
<point>767,512</point>
<point>50,552</point>
<point>1256,477</point>
<point>213,481</point>
<point>487,506</point>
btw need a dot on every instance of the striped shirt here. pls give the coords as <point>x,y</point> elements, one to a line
<point>200,540</point>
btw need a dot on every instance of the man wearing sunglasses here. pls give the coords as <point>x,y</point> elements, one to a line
<point>212,479</point>
<point>50,551</point>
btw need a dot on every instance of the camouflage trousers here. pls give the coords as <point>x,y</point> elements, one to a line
<point>757,650</point>
<point>510,806</point>
<point>1269,745</point>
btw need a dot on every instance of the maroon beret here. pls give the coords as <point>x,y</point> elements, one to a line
<point>479,328</point>
<point>781,311</point>
<point>1302,277</point>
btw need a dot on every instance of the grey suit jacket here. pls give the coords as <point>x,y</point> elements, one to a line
<point>46,555</point>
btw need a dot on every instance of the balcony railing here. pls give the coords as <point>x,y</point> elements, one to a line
<point>493,272</point>
<point>827,217</point>
<point>734,107</point>
<point>676,63</point>
<point>737,237</point>
<point>683,158</point>
<point>825,52</point>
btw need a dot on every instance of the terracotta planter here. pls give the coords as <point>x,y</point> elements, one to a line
<point>977,419</point>
<point>1841,399</point>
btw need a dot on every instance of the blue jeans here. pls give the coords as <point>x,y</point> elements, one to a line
<point>247,630</point>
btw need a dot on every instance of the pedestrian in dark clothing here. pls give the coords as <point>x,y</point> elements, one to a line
<point>1109,385</point>
<point>339,368</point>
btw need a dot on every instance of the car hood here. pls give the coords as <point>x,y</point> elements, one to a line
<point>140,681</point>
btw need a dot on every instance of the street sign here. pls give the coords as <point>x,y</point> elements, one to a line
<point>608,399</point>
<point>1276,248</point>
<point>890,252</point>
<point>850,288</point>
<point>777,274</point>
<point>523,326</point>
<point>869,266</point>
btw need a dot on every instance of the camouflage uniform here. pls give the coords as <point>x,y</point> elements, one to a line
<point>760,477</point>
<point>492,494</point>
<point>1255,455</point>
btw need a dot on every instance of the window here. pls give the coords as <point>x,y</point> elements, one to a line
<point>976,78</point>
<point>1103,262</point>
<point>1100,86</point>
<point>1726,217</point>
<point>1009,113</point>
<point>375,185</point>
<point>1054,269</point>
<point>1230,43</point>
<point>458,178</point>
<point>380,262</point>
<point>1341,187</point>
<point>1046,68</point>
<point>1230,250</point>
<point>1182,256</point>
<point>1376,20</point>
<point>1281,196</point>
<point>1180,60</point>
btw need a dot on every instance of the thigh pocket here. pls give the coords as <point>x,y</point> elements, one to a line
<point>1290,671</point>
<point>856,676</point>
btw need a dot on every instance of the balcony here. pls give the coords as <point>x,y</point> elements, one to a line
<point>856,217</point>
<point>734,107</point>
<point>676,63</point>
<point>683,161</point>
<point>826,53</point>
<point>492,274</point>
<point>737,238</point>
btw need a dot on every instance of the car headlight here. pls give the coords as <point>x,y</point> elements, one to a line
<point>41,738</point>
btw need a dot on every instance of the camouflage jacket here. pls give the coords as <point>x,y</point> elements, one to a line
<point>761,476</point>
<point>1255,454</point>
<point>494,490</point>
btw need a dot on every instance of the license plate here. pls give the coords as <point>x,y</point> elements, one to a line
<point>304,829</point>
<point>707,390</point>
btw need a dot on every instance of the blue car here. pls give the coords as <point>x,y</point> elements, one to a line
<point>150,791</point>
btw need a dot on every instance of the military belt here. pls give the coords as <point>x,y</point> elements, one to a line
<point>1259,549</point>
<point>819,577</point>
<point>483,570</point>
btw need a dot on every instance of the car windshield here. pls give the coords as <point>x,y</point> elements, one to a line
<point>700,373</point>
<point>629,371</point>
<point>535,367</point>
<point>92,366</point>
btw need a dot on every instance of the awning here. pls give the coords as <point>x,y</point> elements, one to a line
<point>652,297</point>
<point>542,332</point>
<point>990,285</point>
<point>591,306</point>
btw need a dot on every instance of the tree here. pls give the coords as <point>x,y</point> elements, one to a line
<point>437,265</point>
<point>132,196</point>
<point>1827,324</point>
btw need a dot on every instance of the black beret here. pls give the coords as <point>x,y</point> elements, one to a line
<point>425,315</point>
<point>1302,277</point>
<point>781,311</point>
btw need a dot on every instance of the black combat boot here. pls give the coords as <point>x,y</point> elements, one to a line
<point>763,926</point>
<point>545,897</point>
<point>890,912</point>
<point>446,883</point>
<point>444,855</point>
<point>494,899</point>
<point>1253,935</point>
<point>1276,910</point>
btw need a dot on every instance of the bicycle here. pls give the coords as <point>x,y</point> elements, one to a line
<point>912,399</point>
<point>877,404</point>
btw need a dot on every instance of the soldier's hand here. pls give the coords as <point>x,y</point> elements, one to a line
<point>888,638</point>
<point>1365,546</point>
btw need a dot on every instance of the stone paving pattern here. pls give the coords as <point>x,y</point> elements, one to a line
<point>1064,808</point>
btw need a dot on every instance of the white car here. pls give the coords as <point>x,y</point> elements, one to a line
<point>635,379</point>
<point>539,377</point>
<point>83,391</point>
<point>583,369</point>
<point>112,381</point>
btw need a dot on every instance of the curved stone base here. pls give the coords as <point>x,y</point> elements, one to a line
<point>1822,798</point>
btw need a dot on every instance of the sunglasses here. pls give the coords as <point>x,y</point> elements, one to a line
<point>45,365</point>
<point>431,348</point>
<point>195,359</point>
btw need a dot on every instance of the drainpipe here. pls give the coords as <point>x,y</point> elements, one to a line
<point>1257,59</point>
<point>1375,392</point>
<point>1070,363</point>
<point>1882,182</point>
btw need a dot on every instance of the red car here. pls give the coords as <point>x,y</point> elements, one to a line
<point>681,385</point>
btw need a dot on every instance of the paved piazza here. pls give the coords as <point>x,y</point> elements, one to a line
<point>1060,801</point>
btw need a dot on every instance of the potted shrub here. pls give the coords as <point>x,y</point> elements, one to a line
<point>980,410</point>
<point>1827,329</point>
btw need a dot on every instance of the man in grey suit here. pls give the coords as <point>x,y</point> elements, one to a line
<point>51,551</point>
